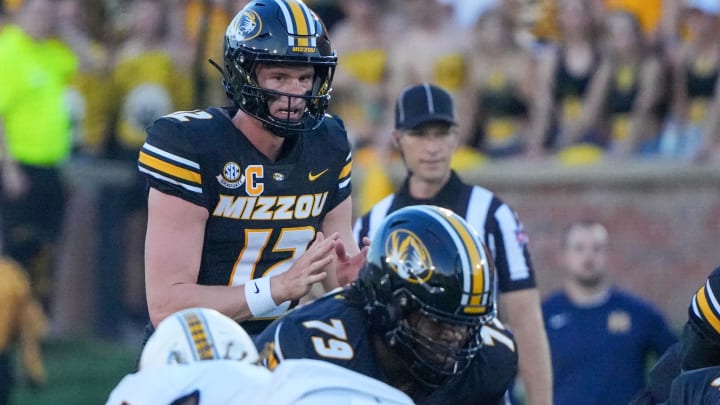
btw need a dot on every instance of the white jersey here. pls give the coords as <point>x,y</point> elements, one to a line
<point>315,382</point>
<point>216,382</point>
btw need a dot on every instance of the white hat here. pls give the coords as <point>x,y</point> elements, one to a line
<point>197,334</point>
<point>711,7</point>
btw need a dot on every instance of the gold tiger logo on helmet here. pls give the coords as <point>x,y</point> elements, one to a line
<point>408,256</point>
<point>248,25</point>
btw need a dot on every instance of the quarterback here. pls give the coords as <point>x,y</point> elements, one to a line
<point>249,205</point>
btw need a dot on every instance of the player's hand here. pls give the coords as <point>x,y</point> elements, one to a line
<point>310,268</point>
<point>349,266</point>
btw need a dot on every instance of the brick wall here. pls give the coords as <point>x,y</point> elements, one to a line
<point>663,219</point>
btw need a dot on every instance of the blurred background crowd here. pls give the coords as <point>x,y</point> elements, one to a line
<point>568,82</point>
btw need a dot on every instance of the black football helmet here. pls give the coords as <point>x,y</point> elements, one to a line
<point>284,32</point>
<point>428,259</point>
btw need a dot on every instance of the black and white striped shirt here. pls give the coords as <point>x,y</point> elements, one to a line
<point>497,224</point>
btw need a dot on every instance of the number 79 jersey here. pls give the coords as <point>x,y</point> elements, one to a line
<point>263,214</point>
<point>335,329</point>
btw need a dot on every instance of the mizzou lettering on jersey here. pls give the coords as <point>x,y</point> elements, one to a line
<point>271,208</point>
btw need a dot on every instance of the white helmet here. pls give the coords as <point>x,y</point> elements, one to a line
<point>196,334</point>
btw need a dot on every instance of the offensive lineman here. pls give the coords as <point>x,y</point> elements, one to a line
<point>420,317</point>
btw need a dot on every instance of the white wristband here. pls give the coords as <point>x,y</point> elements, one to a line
<point>259,297</point>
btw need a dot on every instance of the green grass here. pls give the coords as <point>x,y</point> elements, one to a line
<point>80,371</point>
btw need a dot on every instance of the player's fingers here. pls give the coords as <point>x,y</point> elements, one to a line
<point>366,241</point>
<point>319,265</point>
<point>315,278</point>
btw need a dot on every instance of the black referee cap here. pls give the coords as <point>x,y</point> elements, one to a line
<point>421,104</point>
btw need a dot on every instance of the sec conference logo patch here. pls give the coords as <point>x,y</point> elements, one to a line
<point>408,256</point>
<point>232,176</point>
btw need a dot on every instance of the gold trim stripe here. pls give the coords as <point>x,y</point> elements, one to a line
<point>476,262</point>
<point>203,348</point>
<point>301,22</point>
<point>345,170</point>
<point>169,168</point>
<point>705,309</point>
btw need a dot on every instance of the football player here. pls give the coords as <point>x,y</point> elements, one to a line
<point>315,382</point>
<point>696,387</point>
<point>698,349</point>
<point>196,356</point>
<point>199,356</point>
<point>250,205</point>
<point>420,317</point>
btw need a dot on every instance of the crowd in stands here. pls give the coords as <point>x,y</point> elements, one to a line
<point>576,79</point>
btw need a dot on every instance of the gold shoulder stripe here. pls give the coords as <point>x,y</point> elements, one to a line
<point>169,168</point>
<point>345,170</point>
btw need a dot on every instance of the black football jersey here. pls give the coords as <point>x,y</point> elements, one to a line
<point>263,214</point>
<point>336,330</point>
<point>696,387</point>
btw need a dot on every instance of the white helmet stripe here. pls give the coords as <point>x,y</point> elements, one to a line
<point>298,19</point>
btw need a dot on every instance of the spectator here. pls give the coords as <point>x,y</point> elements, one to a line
<point>89,96</point>
<point>426,138</point>
<point>414,318</point>
<point>564,72</point>
<point>241,198</point>
<point>625,98</point>
<point>693,131</point>
<point>360,93</point>
<point>600,336</point>
<point>202,23</point>
<point>23,323</point>
<point>501,79</point>
<point>360,84</point>
<point>32,200</point>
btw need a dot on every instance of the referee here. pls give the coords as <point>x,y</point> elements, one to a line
<point>426,136</point>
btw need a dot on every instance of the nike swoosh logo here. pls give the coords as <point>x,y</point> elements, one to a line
<point>257,289</point>
<point>313,177</point>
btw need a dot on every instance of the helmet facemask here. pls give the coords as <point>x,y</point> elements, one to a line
<point>428,355</point>
<point>255,100</point>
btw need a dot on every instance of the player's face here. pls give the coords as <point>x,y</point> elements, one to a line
<point>449,336</point>
<point>427,150</point>
<point>296,80</point>
<point>585,255</point>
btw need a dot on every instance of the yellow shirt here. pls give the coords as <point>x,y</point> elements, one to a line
<point>35,76</point>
